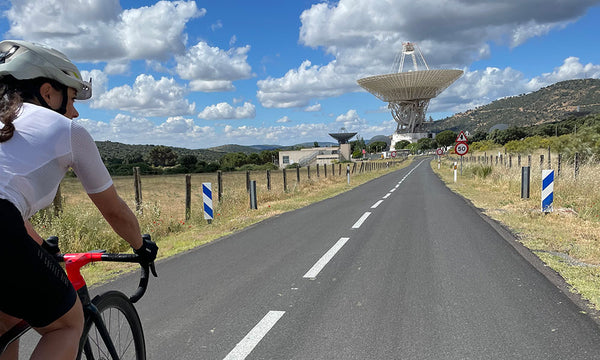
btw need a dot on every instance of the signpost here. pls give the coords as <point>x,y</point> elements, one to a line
<point>439,153</point>
<point>547,190</point>
<point>462,138</point>
<point>207,200</point>
<point>461,148</point>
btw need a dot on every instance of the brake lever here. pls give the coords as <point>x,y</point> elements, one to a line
<point>153,269</point>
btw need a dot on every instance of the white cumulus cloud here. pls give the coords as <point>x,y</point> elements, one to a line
<point>213,69</point>
<point>147,97</point>
<point>224,111</point>
<point>94,30</point>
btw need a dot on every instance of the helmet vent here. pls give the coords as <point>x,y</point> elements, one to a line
<point>7,54</point>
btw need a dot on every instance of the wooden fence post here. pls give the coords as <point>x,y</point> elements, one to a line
<point>576,167</point>
<point>308,171</point>
<point>220,184</point>
<point>284,181</point>
<point>188,196</point>
<point>318,175</point>
<point>57,202</point>
<point>269,180</point>
<point>137,183</point>
<point>247,180</point>
<point>559,167</point>
<point>298,174</point>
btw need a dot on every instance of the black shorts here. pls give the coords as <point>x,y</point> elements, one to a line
<point>33,285</point>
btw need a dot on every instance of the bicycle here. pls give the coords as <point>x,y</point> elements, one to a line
<point>112,327</point>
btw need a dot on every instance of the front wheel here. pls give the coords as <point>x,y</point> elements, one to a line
<point>123,327</point>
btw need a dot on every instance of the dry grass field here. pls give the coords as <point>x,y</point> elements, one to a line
<point>80,227</point>
<point>568,239</point>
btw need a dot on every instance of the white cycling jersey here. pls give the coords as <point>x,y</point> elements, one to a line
<point>44,146</point>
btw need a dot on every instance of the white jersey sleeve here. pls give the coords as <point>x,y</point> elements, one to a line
<point>87,163</point>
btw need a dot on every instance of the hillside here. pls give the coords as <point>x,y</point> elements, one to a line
<point>114,150</point>
<point>549,104</point>
<point>232,148</point>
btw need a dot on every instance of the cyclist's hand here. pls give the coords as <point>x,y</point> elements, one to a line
<point>147,252</point>
<point>51,245</point>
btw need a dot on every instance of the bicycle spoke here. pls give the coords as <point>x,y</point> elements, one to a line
<point>121,336</point>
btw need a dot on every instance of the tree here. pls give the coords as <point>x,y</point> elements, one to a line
<point>230,161</point>
<point>269,156</point>
<point>512,133</point>
<point>254,158</point>
<point>377,146</point>
<point>426,144</point>
<point>316,144</point>
<point>162,156</point>
<point>188,162</point>
<point>402,144</point>
<point>358,144</point>
<point>479,135</point>
<point>446,138</point>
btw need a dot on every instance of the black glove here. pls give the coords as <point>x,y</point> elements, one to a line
<point>147,252</point>
<point>51,245</point>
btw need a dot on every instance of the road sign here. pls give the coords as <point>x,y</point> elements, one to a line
<point>461,148</point>
<point>207,199</point>
<point>462,138</point>
<point>393,154</point>
<point>439,152</point>
<point>547,190</point>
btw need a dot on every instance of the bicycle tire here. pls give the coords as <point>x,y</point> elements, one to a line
<point>124,328</point>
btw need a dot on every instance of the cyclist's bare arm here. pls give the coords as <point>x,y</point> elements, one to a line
<point>118,215</point>
<point>31,231</point>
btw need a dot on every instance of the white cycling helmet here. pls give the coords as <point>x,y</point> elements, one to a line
<point>25,60</point>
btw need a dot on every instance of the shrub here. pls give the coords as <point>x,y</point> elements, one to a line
<point>481,171</point>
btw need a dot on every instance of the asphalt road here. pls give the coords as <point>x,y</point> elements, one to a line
<point>423,276</point>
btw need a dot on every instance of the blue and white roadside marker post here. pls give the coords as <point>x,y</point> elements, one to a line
<point>208,204</point>
<point>547,190</point>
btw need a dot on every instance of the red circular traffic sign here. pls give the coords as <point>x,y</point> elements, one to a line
<point>461,149</point>
<point>393,154</point>
<point>439,152</point>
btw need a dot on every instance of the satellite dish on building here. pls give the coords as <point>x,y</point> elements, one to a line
<point>342,138</point>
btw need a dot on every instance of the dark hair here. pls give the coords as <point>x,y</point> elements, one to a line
<point>14,92</point>
<point>10,105</point>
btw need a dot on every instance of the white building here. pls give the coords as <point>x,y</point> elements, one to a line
<point>314,156</point>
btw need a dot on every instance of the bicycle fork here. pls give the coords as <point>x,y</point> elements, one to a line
<point>93,317</point>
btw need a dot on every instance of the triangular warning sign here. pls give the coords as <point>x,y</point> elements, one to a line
<point>461,137</point>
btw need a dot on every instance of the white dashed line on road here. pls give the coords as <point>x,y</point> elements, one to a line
<point>319,265</point>
<point>248,343</point>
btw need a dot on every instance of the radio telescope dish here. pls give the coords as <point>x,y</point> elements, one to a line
<point>342,138</point>
<point>425,84</point>
<point>408,93</point>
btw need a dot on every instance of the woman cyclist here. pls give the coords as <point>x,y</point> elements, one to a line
<point>38,144</point>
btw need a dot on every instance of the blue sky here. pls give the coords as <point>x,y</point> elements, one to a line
<point>199,74</point>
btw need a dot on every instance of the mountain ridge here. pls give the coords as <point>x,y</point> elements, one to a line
<point>549,104</point>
